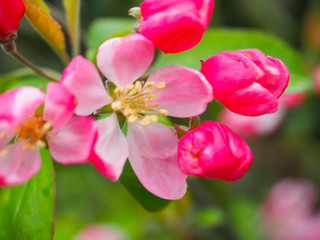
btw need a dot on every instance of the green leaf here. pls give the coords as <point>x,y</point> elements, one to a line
<point>149,201</point>
<point>27,211</point>
<point>72,9</point>
<point>215,41</point>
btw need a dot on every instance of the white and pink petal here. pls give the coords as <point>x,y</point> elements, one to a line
<point>59,105</point>
<point>153,157</point>
<point>82,79</point>
<point>18,164</point>
<point>17,105</point>
<point>74,142</point>
<point>111,149</point>
<point>123,60</point>
<point>186,94</point>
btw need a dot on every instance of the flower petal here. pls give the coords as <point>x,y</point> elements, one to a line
<point>17,105</point>
<point>153,157</point>
<point>74,142</point>
<point>59,105</point>
<point>123,60</point>
<point>111,148</point>
<point>254,100</point>
<point>186,94</point>
<point>17,165</point>
<point>82,79</point>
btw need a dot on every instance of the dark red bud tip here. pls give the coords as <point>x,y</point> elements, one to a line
<point>9,47</point>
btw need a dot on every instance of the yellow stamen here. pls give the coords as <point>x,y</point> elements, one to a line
<point>163,112</point>
<point>132,118</point>
<point>41,144</point>
<point>149,85</point>
<point>146,121</point>
<point>161,85</point>
<point>134,102</point>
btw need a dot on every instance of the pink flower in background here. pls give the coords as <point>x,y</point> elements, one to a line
<point>288,212</point>
<point>212,150</point>
<point>175,25</point>
<point>70,139</point>
<point>292,100</point>
<point>11,12</point>
<point>247,82</point>
<point>101,232</point>
<point>251,127</point>
<point>151,147</point>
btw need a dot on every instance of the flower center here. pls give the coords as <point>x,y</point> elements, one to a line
<point>33,130</point>
<point>135,102</point>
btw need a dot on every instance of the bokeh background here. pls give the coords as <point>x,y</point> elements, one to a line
<point>211,209</point>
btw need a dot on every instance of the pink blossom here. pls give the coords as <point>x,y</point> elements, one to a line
<point>251,127</point>
<point>70,139</point>
<point>175,25</point>
<point>287,213</point>
<point>150,146</point>
<point>101,232</point>
<point>212,150</point>
<point>247,82</point>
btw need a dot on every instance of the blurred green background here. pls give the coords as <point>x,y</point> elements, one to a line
<point>211,209</point>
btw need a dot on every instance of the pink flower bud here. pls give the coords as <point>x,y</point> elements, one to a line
<point>292,100</point>
<point>316,80</point>
<point>175,25</point>
<point>247,82</point>
<point>213,151</point>
<point>11,12</point>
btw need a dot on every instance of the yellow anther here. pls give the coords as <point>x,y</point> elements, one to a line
<point>163,112</point>
<point>138,86</point>
<point>130,86</point>
<point>151,97</point>
<point>41,144</point>
<point>132,118</point>
<point>116,106</point>
<point>119,91</point>
<point>46,127</point>
<point>161,85</point>
<point>3,135</point>
<point>4,152</point>
<point>146,121</point>
<point>154,118</point>
<point>149,85</point>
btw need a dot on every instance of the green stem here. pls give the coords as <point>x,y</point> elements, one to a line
<point>10,48</point>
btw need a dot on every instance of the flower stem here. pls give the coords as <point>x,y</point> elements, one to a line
<point>11,48</point>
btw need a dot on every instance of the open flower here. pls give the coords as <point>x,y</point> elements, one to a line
<point>151,147</point>
<point>212,150</point>
<point>11,13</point>
<point>247,82</point>
<point>175,25</point>
<point>22,117</point>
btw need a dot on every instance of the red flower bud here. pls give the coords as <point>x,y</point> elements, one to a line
<point>11,12</point>
<point>175,25</point>
<point>212,150</point>
<point>247,82</point>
